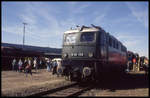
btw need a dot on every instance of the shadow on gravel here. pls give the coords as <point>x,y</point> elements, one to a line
<point>35,72</point>
<point>121,82</point>
<point>111,82</point>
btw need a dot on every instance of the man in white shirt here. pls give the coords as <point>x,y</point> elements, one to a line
<point>20,65</point>
<point>13,64</point>
<point>35,64</point>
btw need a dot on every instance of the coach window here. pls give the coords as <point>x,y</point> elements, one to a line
<point>114,43</point>
<point>124,49</point>
<point>117,45</point>
<point>121,48</point>
<point>104,37</point>
<point>110,41</point>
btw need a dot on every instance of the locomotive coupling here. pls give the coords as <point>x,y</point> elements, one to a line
<point>87,71</point>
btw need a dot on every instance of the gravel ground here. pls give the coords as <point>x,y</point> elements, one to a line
<point>17,84</point>
<point>130,92</point>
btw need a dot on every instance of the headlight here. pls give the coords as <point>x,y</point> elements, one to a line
<point>71,54</point>
<point>75,54</point>
<point>90,54</point>
<point>65,55</point>
<point>80,54</point>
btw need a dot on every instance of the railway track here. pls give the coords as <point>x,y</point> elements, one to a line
<point>74,89</point>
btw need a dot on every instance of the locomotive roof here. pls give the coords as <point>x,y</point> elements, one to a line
<point>90,29</point>
<point>115,39</point>
<point>84,30</point>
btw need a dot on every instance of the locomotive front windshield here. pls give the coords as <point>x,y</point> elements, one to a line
<point>87,37</point>
<point>83,37</point>
<point>70,38</point>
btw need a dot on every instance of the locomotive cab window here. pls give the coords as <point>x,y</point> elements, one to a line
<point>87,37</point>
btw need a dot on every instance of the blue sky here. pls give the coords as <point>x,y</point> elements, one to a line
<point>127,21</point>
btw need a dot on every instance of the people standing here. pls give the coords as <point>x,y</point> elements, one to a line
<point>40,63</point>
<point>48,64</point>
<point>35,64</point>
<point>54,67</point>
<point>20,65</point>
<point>134,64</point>
<point>13,64</point>
<point>59,68</point>
<point>28,68</point>
<point>25,64</point>
<point>129,63</point>
<point>16,65</point>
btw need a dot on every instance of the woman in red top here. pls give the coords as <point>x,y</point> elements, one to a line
<point>134,60</point>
